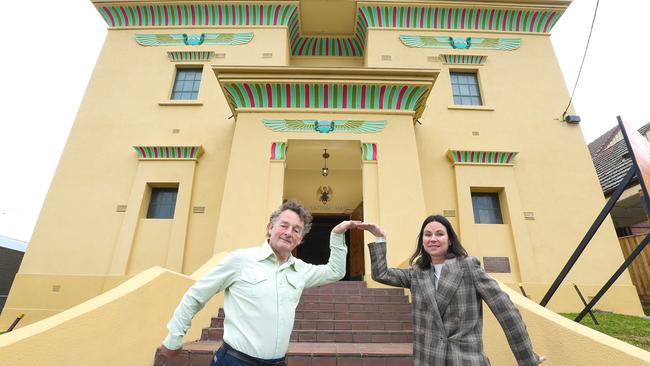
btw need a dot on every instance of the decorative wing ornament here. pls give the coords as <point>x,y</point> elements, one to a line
<point>179,39</point>
<point>415,41</point>
<point>359,126</point>
<point>159,39</point>
<point>288,125</point>
<point>506,44</point>
<point>228,38</point>
<point>324,126</point>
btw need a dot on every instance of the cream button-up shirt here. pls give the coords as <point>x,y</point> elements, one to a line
<point>260,297</point>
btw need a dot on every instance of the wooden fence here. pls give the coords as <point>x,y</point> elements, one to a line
<point>640,268</point>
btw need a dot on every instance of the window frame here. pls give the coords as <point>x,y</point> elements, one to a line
<point>496,197</point>
<point>479,88</point>
<point>156,215</point>
<point>179,68</point>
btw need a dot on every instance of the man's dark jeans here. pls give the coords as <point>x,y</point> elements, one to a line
<point>222,358</point>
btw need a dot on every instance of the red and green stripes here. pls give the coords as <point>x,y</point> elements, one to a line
<point>176,56</point>
<point>328,46</point>
<point>462,59</point>
<point>278,151</point>
<point>166,15</point>
<point>168,152</point>
<point>505,20</point>
<point>326,96</point>
<point>368,151</point>
<point>482,157</point>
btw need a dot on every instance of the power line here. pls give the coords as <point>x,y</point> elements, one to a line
<point>584,56</point>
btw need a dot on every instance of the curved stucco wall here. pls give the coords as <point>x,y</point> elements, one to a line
<point>123,326</point>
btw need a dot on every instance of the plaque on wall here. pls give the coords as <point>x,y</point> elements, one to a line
<point>496,264</point>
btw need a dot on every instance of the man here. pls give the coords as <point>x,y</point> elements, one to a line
<point>262,289</point>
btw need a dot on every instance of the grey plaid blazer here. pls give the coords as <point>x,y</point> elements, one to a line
<point>448,322</point>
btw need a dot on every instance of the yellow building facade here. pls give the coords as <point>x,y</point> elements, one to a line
<point>423,106</point>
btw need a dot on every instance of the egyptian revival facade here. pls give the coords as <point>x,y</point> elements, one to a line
<point>201,117</point>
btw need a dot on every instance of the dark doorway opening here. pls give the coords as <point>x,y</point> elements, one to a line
<point>315,248</point>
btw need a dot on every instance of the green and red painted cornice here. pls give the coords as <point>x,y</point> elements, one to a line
<point>460,18</point>
<point>470,157</point>
<point>462,59</point>
<point>196,15</point>
<point>168,152</point>
<point>302,45</point>
<point>289,95</point>
<point>176,56</point>
<point>220,14</point>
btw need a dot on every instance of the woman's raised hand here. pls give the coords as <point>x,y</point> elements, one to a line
<point>372,228</point>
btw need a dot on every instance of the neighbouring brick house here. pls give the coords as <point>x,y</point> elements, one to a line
<point>612,161</point>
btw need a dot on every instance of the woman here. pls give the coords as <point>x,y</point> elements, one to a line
<point>447,289</point>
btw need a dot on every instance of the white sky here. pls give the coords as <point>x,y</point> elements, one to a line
<point>52,47</point>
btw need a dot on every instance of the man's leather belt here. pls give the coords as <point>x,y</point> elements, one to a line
<point>252,360</point>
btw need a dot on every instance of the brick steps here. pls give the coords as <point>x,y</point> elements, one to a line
<point>344,323</point>
<point>312,335</point>
<point>353,315</point>
<point>312,354</point>
<point>353,298</point>
<point>345,307</point>
<point>301,324</point>
<point>353,291</point>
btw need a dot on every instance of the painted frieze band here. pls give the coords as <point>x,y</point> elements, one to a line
<point>278,151</point>
<point>176,56</point>
<point>482,157</point>
<point>179,39</point>
<point>417,17</point>
<point>326,95</point>
<point>368,151</point>
<point>323,126</point>
<point>205,14</point>
<point>385,16</point>
<point>302,45</point>
<point>462,59</point>
<point>416,41</point>
<point>168,152</point>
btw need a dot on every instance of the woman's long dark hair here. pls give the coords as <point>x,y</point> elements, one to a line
<point>422,259</point>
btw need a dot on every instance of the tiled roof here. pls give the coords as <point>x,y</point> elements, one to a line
<point>14,244</point>
<point>612,163</point>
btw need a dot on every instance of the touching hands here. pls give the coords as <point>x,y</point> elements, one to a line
<point>374,229</point>
<point>345,226</point>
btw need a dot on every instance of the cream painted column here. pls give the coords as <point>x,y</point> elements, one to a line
<point>276,175</point>
<point>370,198</point>
<point>160,165</point>
<point>253,187</point>
<point>399,204</point>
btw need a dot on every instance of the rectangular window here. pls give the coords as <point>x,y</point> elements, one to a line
<point>162,203</point>
<point>186,84</point>
<point>487,209</point>
<point>464,86</point>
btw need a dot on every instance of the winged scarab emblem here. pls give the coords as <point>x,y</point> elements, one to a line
<point>415,41</point>
<point>179,39</point>
<point>324,126</point>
